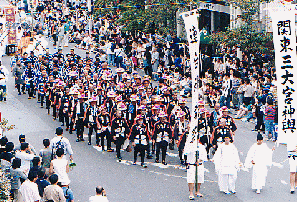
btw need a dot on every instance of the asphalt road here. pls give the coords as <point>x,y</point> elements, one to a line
<point>124,182</point>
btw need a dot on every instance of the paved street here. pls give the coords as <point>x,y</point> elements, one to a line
<point>125,182</point>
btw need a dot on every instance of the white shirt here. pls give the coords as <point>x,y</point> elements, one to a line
<point>29,191</point>
<point>98,198</point>
<point>60,169</point>
<point>226,159</point>
<point>25,160</point>
<point>5,71</point>
<point>108,48</point>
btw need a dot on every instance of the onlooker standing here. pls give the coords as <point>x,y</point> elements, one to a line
<point>248,92</point>
<point>22,139</point>
<point>25,157</point>
<point>6,156</point>
<point>155,60</point>
<point>16,173</point>
<point>110,53</point>
<point>269,119</point>
<point>68,193</point>
<point>29,190</point>
<point>46,155</point>
<point>54,192</point>
<point>61,142</point>
<point>41,182</point>
<point>60,166</point>
<point>100,195</point>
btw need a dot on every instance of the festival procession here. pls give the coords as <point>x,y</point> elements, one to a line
<point>147,101</point>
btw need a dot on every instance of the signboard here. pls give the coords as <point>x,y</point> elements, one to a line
<point>284,39</point>
<point>10,21</point>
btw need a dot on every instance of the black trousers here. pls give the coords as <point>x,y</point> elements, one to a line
<point>55,111</point>
<point>180,152</point>
<point>260,123</point>
<point>47,103</point>
<point>80,128</point>
<point>139,148</point>
<point>71,125</point>
<point>119,142</point>
<point>161,146</point>
<point>31,90</point>
<point>41,99</point>
<point>101,136</point>
<point>20,88</point>
<point>61,115</point>
<point>64,118</point>
<point>93,126</point>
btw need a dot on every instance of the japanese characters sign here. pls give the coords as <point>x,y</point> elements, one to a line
<point>193,36</point>
<point>284,38</point>
<point>10,20</point>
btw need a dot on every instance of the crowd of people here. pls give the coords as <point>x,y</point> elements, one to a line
<point>133,94</point>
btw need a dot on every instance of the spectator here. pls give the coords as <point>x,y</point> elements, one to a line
<point>100,195</point>
<point>3,142</point>
<point>29,190</point>
<point>22,139</point>
<point>54,192</point>
<point>16,175</point>
<point>41,182</point>
<point>61,142</point>
<point>60,166</point>
<point>248,92</point>
<point>269,119</point>
<point>7,155</point>
<point>68,193</point>
<point>36,165</point>
<point>25,157</point>
<point>46,156</point>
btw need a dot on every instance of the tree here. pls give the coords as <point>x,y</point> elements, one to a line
<point>143,15</point>
<point>248,37</point>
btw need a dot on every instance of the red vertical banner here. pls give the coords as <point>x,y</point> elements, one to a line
<point>10,20</point>
<point>9,14</point>
<point>12,36</point>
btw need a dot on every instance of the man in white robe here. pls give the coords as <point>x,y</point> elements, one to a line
<point>292,153</point>
<point>191,171</point>
<point>259,157</point>
<point>227,163</point>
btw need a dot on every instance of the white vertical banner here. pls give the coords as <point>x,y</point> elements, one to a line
<point>284,39</point>
<point>193,35</point>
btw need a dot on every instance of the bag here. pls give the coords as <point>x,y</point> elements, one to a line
<point>55,147</point>
<point>66,194</point>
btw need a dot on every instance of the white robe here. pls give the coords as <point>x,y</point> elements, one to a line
<point>226,161</point>
<point>191,159</point>
<point>262,157</point>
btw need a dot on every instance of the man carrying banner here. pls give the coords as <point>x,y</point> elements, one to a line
<point>292,154</point>
<point>195,169</point>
